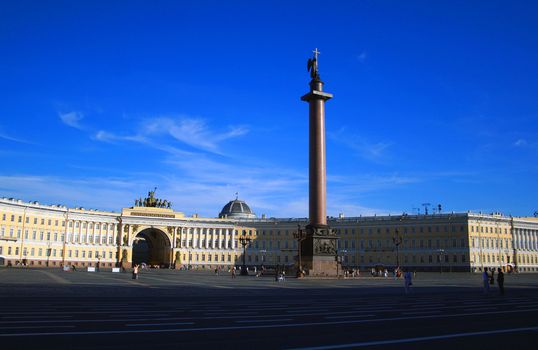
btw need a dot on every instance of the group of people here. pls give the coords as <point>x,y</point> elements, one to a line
<point>488,279</point>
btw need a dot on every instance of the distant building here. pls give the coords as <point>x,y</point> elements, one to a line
<point>43,235</point>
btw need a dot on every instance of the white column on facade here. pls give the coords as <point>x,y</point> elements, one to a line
<point>227,238</point>
<point>213,232</point>
<point>219,238</point>
<point>191,237</point>
<point>206,234</point>
<point>199,235</point>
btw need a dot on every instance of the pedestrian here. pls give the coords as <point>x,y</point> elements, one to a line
<point>408,281</point>
<point>485,280</point>
<point>233,272</point>
<point>500,280</point>
<point>135,272</point>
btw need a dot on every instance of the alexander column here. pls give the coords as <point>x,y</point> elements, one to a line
<point>319,248</point>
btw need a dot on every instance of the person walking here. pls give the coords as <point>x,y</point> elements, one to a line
<point>408,281</point>
<point>135,272</point>
<point>500,280</point>
<point>233,272</point>
<point>485,280</point>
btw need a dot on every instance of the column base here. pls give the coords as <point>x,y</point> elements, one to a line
<point>320,251</point>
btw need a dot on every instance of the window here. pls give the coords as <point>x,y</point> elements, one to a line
<point>55,222</point>
<point>12,217</point>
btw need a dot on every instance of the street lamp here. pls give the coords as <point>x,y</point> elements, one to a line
<point>24,253</point>
<point>49,251</point>
<point>244,240</point>
<point>263,251</point>
<point>300,236</point>
<point>397,240</point>
<point>441,256</point>
<point>98,256</point>
<point>342,259</point>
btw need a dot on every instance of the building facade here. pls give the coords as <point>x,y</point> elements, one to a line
<point>41,235</point>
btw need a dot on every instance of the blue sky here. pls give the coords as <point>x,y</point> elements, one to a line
<point>434,102</point>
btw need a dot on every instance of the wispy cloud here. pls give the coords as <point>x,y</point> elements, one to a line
<point>106,136</point>
<point>362,57</point>
<point>521,143</point>
<point>193,132</point>
<point>373,151</point>
<point>6,136</point>
<point>72,119</point>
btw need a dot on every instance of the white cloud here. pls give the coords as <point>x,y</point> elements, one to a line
<point>106,136</point>
<point>192,131</point>
<point>362,57</point>
<point>373,151</point>
<point>520,143</point>
<point>6,136</point>
<point>72,119</point>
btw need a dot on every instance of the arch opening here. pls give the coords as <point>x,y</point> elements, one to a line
<point>152,247</point>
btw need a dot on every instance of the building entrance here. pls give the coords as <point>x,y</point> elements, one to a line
<point>152,247</point>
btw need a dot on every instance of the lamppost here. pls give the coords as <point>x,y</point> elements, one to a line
<point>49,249</point>
<point>397,240</point>
<point>300,236</point>
<point>441,256</point>
<point>25,253</point>
<point>343,259</point>
<point>244,240</point>
<point>263,251</point>
<point>98,256</point>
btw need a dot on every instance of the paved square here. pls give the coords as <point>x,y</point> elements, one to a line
<point>190,309</point>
